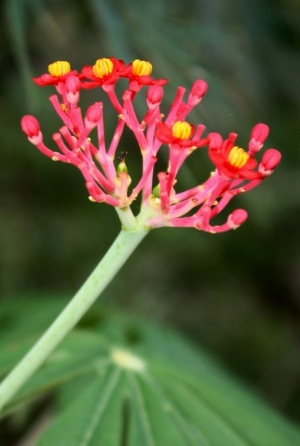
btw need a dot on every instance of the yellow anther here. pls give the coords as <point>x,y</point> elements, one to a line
<point>182,130</point>
<point>59,68</point>
<point>103,67</point>
<point>141,67</point>
<point>238,157</point>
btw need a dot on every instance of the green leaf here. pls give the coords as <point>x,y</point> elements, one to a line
<point>95,414</point>
<point>130,383</point>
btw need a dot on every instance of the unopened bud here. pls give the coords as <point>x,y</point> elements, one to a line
<point>122,167</point>
<point>271,158</point>
<point>215,141</point>
<point>31,128</point>
<point>198,90</point>
<point>154,96</point>
<point>236,218</point>
<point>93,115</point>
<point>156,191</point>
<point>258,136</point>
<point>72,85</point>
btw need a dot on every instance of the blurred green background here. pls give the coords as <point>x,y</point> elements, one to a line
<point>238,294</point>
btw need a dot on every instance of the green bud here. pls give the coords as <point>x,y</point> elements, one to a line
<point>156,191</point>
<point>122,168</point>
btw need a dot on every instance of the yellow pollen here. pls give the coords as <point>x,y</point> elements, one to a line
<point>103,67</point>
<point>237,157</point>
<point>181,129</point>
<point>59,68</point>
<point>141,67</point>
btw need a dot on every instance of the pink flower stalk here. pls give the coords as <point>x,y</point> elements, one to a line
<point>106,175</point>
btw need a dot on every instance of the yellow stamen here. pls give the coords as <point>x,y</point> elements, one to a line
<point>103,67</point>
<point>181,129</point>
<point>59,68</point>
<point>141,68</point>
<point>238,157</point>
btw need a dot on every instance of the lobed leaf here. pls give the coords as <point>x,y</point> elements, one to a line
<point>126,382</point>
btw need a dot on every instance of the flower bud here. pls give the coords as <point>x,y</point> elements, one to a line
<point>215,141</point>
<point>271,158</point>
<point>31,128</point>
<point>260,132</point>
<point>198,90</point>
<point>93,115</point>
<point>121,168</point>
<point>236,218</point>
<point>72,85</point>
<point>154,96</point>
<point>258,136</point>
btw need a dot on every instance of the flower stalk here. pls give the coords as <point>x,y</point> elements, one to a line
<point>114,259</point>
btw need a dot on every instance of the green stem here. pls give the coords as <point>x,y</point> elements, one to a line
<point>114,259</point>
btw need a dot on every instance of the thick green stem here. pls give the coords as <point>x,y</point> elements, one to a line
<point>113,260</point>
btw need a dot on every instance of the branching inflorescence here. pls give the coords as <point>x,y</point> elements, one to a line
<point>106,175</point>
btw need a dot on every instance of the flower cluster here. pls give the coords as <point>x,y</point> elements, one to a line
<point>106,174</point>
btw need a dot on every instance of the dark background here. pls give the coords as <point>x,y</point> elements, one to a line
<point>237,294</point>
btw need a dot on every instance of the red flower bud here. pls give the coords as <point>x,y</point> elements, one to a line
<point>260,132</point>
<point>236,218</point>
<point>258,136</point>
<point>72,85</point>
<point>154,96</point>
<point>271,158</point>
<point>93,115</point>
<point>198,90</point>
<point>31,128</point>
<point>215,141</point>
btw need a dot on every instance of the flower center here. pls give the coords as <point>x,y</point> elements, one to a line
<point>237,157</point>
<point>59,68</point>
<point>141,68</point>
<point>103,67</point>
<point>181,129</point>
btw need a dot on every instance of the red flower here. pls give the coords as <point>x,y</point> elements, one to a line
<point>231,161</point>
<point>58,72</point>
<point>180,134</point>
<point>105,71</point>
<point>139,75</point>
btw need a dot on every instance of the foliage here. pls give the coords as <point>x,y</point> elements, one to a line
<point>172,394</point>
